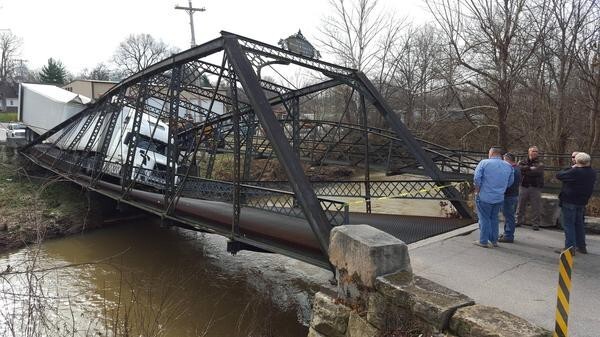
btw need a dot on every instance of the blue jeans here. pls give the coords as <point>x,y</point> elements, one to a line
<point>572,221</point>
<point>488,221</point>
<point>509,207</point>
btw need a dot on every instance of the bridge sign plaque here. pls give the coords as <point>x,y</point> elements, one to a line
<point>298,44</point>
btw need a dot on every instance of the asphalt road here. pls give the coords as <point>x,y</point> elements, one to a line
<point>520,278</point>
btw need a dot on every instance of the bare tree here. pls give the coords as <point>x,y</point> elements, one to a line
<point>492,41</point>
<point>100,72</point>
<point>138,52</point>
<point>414,66</point>
<point>358,33</point>
<point>564,36</point>
<point>588,61</point>
<point>9,49</point>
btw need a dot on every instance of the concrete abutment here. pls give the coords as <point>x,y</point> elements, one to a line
<point>377,294</point>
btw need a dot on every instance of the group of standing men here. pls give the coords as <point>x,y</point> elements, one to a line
<point>503,184</point>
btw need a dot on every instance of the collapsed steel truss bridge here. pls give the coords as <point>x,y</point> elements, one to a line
<point>249,123</point>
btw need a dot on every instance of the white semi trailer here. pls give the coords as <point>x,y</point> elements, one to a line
<point>149,161</point>
<point>44,106</point>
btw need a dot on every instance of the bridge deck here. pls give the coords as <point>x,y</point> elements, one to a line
<point>519,277</point>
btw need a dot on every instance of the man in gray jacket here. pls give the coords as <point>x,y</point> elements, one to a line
<point>530,191</point>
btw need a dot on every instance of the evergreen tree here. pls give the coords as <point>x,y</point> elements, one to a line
<point>53,73</point>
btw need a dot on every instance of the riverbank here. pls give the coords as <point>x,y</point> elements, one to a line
<point>36,205</point>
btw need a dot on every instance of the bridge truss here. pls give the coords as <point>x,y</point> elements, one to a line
<point>248,123</point>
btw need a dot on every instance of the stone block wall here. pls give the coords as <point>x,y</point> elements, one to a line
<point>592,225</point>
<point>378,295</point>
<point>550,211</point>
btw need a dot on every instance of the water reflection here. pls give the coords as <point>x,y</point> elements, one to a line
<point>144,280</point>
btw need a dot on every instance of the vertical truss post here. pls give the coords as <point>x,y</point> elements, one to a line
<point>102,112</point>
<point>273,130</point>
<point>90,116</point>
<point>235,224</point>
<point>212,152</point>
<point>135,136</point>
<point>365,124</point>
<point>107,133</point>
<point>296,125</point>
<point>413,146</point>
<point>172,148</point>
<point>249,144</point>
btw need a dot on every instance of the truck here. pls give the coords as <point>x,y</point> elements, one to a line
<point>149,161</point>
<point>43,107</point>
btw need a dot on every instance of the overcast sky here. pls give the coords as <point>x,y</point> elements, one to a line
<point>82,33</point>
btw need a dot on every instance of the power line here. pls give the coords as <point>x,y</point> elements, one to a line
<point>191,11</point>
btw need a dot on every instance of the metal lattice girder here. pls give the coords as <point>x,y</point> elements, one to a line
<point>233,89</point>
<point>257,47</point>
<point>115,107</point>
<point>101,113</point>
<point>308,90</point>
<point>133,142</point>
<point>397,189</point>
<point>172,149</point>
<point>291,164</point>
<point>412,144</point>
<point>215,70</point>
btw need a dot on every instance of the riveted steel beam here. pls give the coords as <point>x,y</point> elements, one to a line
<point>272,128</point>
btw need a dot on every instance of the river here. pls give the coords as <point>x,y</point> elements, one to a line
<point>137,279</point>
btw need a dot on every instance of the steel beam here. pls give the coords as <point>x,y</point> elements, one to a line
<point>291,164</point>
<point>174,94</point>
<point>411,142</point>
<point>202,50</point>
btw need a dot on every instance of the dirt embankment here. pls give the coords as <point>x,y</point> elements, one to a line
<point>35,205</point>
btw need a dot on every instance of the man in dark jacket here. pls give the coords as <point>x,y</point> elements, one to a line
<point>530,191</point>
<point>511,198</point>
<point>578,185</point>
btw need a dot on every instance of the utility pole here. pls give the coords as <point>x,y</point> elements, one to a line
<point>191,11</point>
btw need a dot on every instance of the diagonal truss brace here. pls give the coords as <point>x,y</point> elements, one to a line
<point>272,128</point>
<point>369,90</point>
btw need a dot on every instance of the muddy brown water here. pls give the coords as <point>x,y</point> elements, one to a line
<point>138,279</point>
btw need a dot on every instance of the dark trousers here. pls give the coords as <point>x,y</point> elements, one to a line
<point>508,210</point>
<point>572,222</point>
<point>531,195</point>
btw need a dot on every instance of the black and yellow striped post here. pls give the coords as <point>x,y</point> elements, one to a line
<point>565,267</point>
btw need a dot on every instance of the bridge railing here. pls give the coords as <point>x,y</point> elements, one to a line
<point>268,199</point>
<point>399,189</point>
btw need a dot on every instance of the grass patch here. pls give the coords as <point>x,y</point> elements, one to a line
<point>6,117</point>
<point>33,198</point>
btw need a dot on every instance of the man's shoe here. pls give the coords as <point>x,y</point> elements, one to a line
<point>505,239</point>
<point>483,245</point>
<point>536,228</point>
<point>495,244</point>
<point>581,250</point>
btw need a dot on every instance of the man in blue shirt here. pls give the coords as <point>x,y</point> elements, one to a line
<point>511,198</point>
<point>492,177</point>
